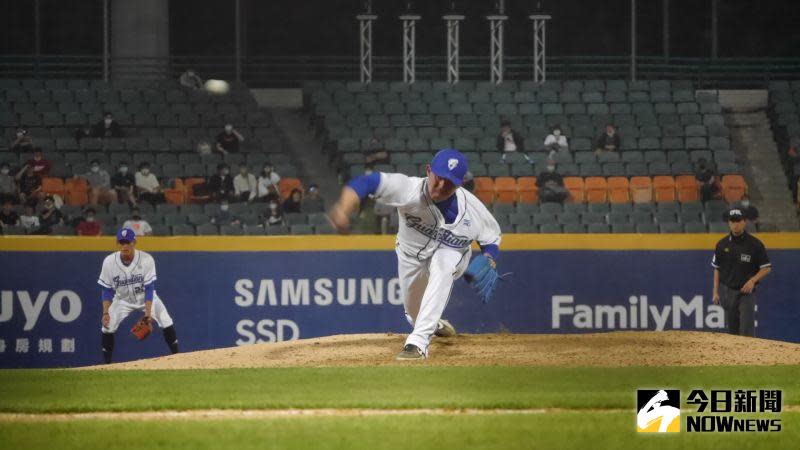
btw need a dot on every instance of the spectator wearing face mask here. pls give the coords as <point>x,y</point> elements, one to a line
<point>268,180</point>
<point>293,204</point>
<point>8,217</point>
<point>608,141</point>
<point>245,186</point>
<point>274,215</point>
<point>123,183</point>
<point>191,80</point>
<point>510,141</point>
<point>551,185</point>
<point>228,141</point>
<point>147,185</point>
<point>82,133</point>
<point>107,128</point>
<point>140,226</point>
<point>556,142</point>
<point>29,220</point>
<point>99,184</point>
<point>313,203</point>
<point>710,188</point>
<point>8,187</point>
<point>23,143</point>
<point>220,185</point>
<point>224,216</point>
<point>50,216</point>
<point>89,226</point>
<point>30,185</point>
<point>41,166</point>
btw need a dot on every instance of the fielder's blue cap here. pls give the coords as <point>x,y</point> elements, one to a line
<point>126,234</point>
<point>450,164</point>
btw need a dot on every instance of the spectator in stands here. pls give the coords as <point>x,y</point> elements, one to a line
<point>8,187</point>
<point>746,206</point>
<point>140,226</point>
<point>147,186</point>
<point>556,142</point>
<point>107,128</point>
<point>89,226</point>
<point>191,80</point>
<point>294,203</point>
<point>509,141</point>
<point>40,165</point>
<point>268,187</point>
<point>29,220</point>
<point>99,184</point>
<point>220,185</point>
<point>313,203</point>
<point>245,186</point>
<point>23,143</point>
<point>608,141</point>
<point>376,153</point>
<point>123,182</point>
<point>551,185</point>
<point>709,184</point>
<point>228,141</point>
<point>274,214</point>
<point>50,216</point>
<point>81,133</point>
<point>469,181</point>
<point>8,217</point>
<point>30,185</point>
<point>224,216</point>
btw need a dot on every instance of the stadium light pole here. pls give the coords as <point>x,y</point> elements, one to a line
<point>365,34</point>
<point>409,46</point>
<point>105,40</point>
<point>453,42</point>
<point>238,31</point>
<point>496,22</point>
<point>539,48</point>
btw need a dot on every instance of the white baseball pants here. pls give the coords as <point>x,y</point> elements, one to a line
<point>119,310</point>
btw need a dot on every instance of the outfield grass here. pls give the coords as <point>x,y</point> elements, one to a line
<point>41,391</point>
<point>562,431</point>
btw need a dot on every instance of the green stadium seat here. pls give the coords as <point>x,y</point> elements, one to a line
<point>550,228</point>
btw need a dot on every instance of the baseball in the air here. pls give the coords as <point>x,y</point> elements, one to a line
<point>217,86</point>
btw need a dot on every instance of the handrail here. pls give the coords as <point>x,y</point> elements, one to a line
<point>291,70</point>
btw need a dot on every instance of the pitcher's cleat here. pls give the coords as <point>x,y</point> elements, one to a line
<point>444,329</point>
<point>410,353</point>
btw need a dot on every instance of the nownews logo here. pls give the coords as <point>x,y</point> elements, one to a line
<point>659,411</point>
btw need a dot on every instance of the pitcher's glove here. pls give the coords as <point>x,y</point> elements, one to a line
<point>142,328</point>
<point>482,275</point>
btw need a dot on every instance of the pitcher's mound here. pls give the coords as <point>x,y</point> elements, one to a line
<point>615,349</point>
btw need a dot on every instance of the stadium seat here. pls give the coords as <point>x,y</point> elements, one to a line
<point>77,191</point>
<point>287,185</point>
<point>53,186</point>
<point>687,188</point>
<point>641,189</point>
<point>505,189</point>
<point>484,189</point>
<point>596,189</point>
<point>618,190</point>
<point>733,188</point>
<point>664,188</point>
<point>528,191</point>
<point>576,188</point>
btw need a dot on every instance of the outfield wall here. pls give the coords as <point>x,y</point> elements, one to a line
<point>225,291</point>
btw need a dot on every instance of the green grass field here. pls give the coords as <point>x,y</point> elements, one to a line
<point>596,407</point>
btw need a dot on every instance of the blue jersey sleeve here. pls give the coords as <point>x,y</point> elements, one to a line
<point>107,294</point>
<point>365,184</point>
<point>491,249</point>
<point>148,291</point>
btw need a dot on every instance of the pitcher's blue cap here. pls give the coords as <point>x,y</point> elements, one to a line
<point>126,234</point>
<point>450,164</point>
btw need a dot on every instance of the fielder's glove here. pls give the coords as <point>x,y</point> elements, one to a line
<point>482,275</point>
<point>142,328</point>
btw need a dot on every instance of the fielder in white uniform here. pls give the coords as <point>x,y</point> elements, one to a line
<point>438,222</point>
<point>128,284</point>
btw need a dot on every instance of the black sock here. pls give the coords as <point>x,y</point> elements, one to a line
<point>171,338</point>
<point>108,346</point>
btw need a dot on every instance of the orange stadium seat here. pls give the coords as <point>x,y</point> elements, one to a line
<point>687,188</point>
<point>641,189</point>
<point>576,188</point>
<point>733,188</point>
<point>596,189</point>
<point>528,191</point>
<point>505,189</point>
<point>484,189</point>
<point>618,190</point>
<point>77,191</point>
<point>53,186</point>
<point>189,184</point>
<point>664,187</point>
<point>287,185</point>
<point>177,194</point>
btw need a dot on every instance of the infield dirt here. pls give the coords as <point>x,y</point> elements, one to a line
<point>614,349</point>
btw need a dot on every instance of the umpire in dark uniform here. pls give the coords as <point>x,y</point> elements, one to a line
<point>740,262</point>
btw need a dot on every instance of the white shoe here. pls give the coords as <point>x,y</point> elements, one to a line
<point>444,329</point>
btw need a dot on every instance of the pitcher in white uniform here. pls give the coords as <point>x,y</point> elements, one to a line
<point>128,281</point>
<point>438,222</point>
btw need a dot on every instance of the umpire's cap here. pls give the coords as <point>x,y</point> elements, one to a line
<point>450,164</point>
<point>126,235</point>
